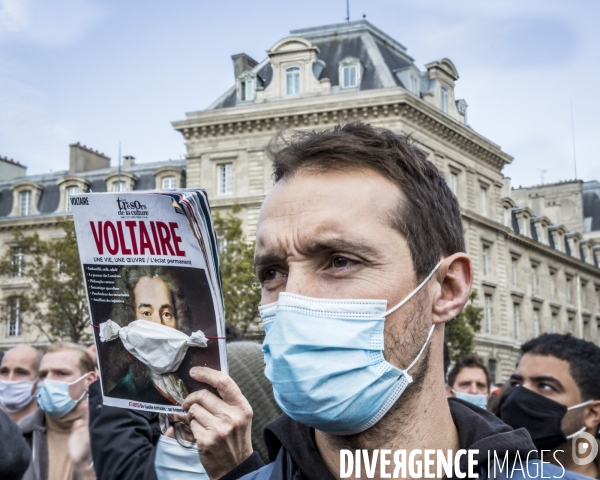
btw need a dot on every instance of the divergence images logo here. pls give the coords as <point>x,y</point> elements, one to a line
<point>131,208</point>
<point>580,448</point>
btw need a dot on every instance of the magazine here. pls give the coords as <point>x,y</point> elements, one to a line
<point>151,272</point>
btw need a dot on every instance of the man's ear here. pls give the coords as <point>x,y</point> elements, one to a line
<point>449,391</point>
<point>456,280</point>
<point>91,378</point>
<point>591,417</point>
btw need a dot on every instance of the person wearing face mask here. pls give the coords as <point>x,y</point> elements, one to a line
<point>18,375</point>
<point>469,380</point>
<point>65,375</point>
<point>555,395</point>
<point>360,259</point>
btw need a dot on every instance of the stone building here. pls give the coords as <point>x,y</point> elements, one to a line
<point>528,273</point>
<point>36,203</point>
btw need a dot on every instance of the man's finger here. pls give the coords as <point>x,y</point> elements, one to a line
<point>207,400</point>
<point>227,388</point>
<point>202,416</point>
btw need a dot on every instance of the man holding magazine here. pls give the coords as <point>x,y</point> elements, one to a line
<point>360,258</point>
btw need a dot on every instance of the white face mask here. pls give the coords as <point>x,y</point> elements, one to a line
<point>159,347</point>
<point>174,462</point>
<point>15,396</point>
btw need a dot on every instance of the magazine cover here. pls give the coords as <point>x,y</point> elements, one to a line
<point>151,274</point>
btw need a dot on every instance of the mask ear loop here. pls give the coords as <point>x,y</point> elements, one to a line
<point>414,292</point>
<point>410,295</point>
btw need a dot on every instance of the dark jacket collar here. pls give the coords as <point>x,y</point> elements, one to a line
<point>477,429</point>
<point>36,420</point>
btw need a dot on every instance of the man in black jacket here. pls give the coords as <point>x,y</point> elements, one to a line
<point>360,258</point>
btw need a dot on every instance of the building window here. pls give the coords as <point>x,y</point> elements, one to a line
<point>247,89</point>
<point>25,203</point>
<point>569,292</point>
<point>169,182</point>
<point>487,310</point>
<point>524,222</point>
<point>483,200</point>
<point>349,76</point>
<point>18,262</point>
<point>517,319</point>
<point>444,100</point>
<point>292,81</point>
<point>486,259</point>
<point>506,216</point>
<point>118,186</point>
<point>571,328</point>
<point>414,84</point>
<point>536,322</point>
<point>513,271</point>
<point>553,322</point>
<point>552,284</point>
<point>492,368</point>
<point>71,191</point>
<point>453,182</point>
<point>534,279</point>
<point>225,178</point>
<point>15,324</point>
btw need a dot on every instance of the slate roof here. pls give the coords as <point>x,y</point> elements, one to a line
<point>50,197</point>
<point>379,54</point>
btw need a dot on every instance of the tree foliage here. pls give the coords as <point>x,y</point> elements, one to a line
<point>241,291</point>
<point>55,299</point>
<point>460,331</point>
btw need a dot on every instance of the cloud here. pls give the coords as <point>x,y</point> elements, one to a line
<point>51,24</point>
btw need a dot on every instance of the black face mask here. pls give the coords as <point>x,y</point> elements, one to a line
<point>542,417</point>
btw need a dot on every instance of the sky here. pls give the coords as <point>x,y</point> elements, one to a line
<point>104,72</point>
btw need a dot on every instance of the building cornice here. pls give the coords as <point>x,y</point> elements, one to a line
<point>325,111</point>
<point>32,222</point>
<point>529,243</point>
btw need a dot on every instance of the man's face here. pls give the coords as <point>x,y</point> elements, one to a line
<point>153,302</point>
<point>63,366</point>
<point>551,377</point>
<point>471,380</point>
<point>19,364</point>
<point>329,235</point>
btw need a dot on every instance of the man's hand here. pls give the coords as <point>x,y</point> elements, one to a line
<point>221,427</point>
<point>79,442</point>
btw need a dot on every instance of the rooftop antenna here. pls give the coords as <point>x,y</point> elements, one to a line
<point>542,173</point>
<point>347,10</point>
<point>119,169</point>
<point>573,132</point>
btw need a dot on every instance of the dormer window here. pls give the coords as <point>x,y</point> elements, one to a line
<point>349,76</point>
<point>247,87</point>
<point>444,100</point>
<point>169,183</point>
<point>118,186</point>
<point>25,203</point>
<point>414,84</point>
<point>71,191</point>
<point>292,81</point>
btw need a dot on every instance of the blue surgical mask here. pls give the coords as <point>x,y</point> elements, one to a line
<point>54,399</point>
<point>174,462</point>
<point>325,360</point>
<point>479,400</point>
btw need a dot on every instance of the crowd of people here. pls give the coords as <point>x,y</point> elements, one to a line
<point>361,260</point>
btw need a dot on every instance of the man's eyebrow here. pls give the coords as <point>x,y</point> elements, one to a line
<point>516,376</point>
<point>141,305</point>
<point>332,245</point>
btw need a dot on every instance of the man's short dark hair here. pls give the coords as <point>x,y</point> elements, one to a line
<point>429,215</point>
<point>469,361</point>
<point>583,358</point>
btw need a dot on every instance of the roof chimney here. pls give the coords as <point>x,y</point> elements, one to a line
<point>10,169</point>
<point>83,159</point>
<point>242,63</point>
<point>128,161</point>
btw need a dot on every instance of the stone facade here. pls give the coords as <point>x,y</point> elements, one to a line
<point>37,203</point>
<point>528,283</point>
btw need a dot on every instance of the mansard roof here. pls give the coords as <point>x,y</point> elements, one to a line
<point>379,54</point>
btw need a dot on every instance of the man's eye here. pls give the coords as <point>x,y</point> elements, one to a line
<point>269,274</point>
<point>341,262</point>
